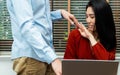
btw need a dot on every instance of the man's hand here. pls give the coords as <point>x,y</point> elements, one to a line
<point>57,66</point>
<point>70,17</point>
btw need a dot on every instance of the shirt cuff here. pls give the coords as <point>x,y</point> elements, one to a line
<point>51,56</point>
<point>56,15</point>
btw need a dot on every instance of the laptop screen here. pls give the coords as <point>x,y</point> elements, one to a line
<point>89,67</point>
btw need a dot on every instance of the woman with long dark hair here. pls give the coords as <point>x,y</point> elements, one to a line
<point>98,40</point>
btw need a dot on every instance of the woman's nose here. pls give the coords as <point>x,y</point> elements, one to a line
<point>88,20</point>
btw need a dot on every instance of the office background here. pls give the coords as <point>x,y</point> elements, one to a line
<point>61,29</point>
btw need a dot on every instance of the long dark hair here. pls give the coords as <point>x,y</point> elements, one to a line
<point>105,26</point>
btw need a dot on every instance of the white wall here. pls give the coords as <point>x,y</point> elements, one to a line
<point>6,66</point>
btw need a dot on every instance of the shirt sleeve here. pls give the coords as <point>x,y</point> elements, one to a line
<point>56,15</point>
<point>101,53</point>
<point>24,13</point>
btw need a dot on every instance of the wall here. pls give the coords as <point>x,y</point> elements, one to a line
<point>6,66</point>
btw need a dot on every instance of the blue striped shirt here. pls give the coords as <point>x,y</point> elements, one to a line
<point>31,22</point>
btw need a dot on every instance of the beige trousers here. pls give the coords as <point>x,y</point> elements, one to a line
<point>30,66</point>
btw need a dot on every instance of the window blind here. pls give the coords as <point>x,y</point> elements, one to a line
<point>60,27</point>
<point>78,8</point>
<point>115,4</point>
<point>5,29</point>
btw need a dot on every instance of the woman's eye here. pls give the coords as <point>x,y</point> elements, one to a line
<point>92,17</point>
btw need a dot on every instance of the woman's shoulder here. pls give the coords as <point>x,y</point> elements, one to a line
<point>75,32</point>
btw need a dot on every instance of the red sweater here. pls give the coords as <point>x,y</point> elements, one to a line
<point>79,47</point>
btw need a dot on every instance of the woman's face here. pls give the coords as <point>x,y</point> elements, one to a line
<point>90,19</point>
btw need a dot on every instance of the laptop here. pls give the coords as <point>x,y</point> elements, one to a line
<point>89,67</point>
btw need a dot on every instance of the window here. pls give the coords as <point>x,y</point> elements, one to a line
<point>5,29</point>
<point>115,4</point>
<point>60,27</point>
